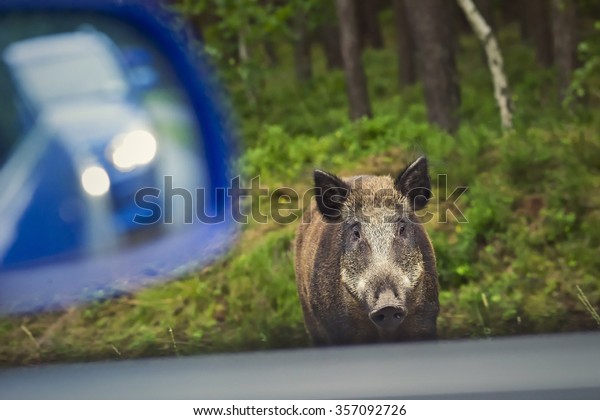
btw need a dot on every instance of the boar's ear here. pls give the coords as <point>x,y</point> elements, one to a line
<point>330,195</point>
<point>414,183</point>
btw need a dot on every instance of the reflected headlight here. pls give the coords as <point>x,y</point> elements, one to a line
<point>95,181</point>
<point>132,149</point>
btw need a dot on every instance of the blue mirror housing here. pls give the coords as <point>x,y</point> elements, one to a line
<point>90,188</point>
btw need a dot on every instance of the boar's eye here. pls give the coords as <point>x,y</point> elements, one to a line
<point>355,232</point>
<point>401,227</point>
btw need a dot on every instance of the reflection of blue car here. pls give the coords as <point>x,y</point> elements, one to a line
<point>80,110</point>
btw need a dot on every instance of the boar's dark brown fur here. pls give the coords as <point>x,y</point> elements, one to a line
<point>365,267</point>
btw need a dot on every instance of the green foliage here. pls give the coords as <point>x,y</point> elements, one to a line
<point>586,79</point>
<point>234,37</point>
<point>236,34</point>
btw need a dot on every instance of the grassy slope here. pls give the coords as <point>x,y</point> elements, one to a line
<point>533,234</point>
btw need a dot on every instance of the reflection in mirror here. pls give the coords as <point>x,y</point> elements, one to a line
<point>103,156</point>
<point>92,112</point>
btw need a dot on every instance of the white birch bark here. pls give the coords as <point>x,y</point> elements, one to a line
<point>494,59</point>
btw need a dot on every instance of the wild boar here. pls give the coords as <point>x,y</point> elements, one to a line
<point>365,267</point>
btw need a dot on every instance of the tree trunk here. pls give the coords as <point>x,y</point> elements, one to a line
<point>539,29</point>
<point>494,58</point>
<point>407,66</point>
<point>271,52</point>
<point>329,35</point>
<point>356,81</point>
<point>243,50</point>
<point>302,57</point>
<point>243,59</point>
<point>230,45</point>
<point>368,23</point>
<point>565,43</point>
<point>457,25</point>
<point>523,22</point>
<point>509,11</point>
<point>429,20</point>
<point>486,8</point>
<point>514,11</point>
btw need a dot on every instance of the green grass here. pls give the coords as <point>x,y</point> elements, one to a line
<point>527,261</point>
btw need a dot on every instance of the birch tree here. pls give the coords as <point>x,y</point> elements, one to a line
<point>494,59</point>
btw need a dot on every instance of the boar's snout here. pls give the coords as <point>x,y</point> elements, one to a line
<point>388,313</point>
<point>388,317</point>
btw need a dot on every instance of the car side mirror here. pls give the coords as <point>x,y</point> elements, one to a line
<point>114,152</point>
